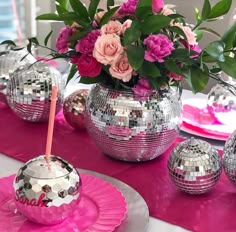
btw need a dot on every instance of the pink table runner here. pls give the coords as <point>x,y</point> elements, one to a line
<point>212,212</point>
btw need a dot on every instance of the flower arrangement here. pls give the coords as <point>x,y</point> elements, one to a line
<point>143,45</point>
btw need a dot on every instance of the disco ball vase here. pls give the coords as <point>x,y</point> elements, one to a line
<point>129,127</point>
<point>29,91</point>
<point>9,61</point>
<point>46,193</point>
<point>74,108</point>
<point>194,166</point>
<point>229,158</point>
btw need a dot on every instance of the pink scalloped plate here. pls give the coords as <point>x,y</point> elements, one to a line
<point>101,209</point>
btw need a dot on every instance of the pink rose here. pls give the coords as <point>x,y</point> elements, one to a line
<point>121,69</point>
<point>126,25</point>
<point>157,5</point>
<point>191,36</point>
<point>86,44</point>
<point>158,47</point>
<point>167,11</point>
<point>62,41</point>
<point>143,88</point>
<point>107,48</point>
<point>88,66</point>
<point>112,27</point>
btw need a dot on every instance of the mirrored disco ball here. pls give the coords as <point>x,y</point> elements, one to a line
<point>29,91</point>
<point>229,158</point>
<point>9,61</point>
<point>220,99</point>
<point>194,166</point>
<point>74,107</point>
<point>129,127</point>
<point>47,193</point>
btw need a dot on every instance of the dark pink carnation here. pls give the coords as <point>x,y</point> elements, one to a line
<point>143,88</point>
<point>88,66</point>
<point>158,47</point>
<point>194,48</point>
<point>176,77</point>
<point>62,42</point>
<point>128,8</point>
<point>86,44</point>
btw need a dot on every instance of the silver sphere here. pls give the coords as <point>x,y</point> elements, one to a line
<point>220,99</point>
<point>194,166</point>
<point>229,158</point>
<point>9,61</point>
<point>74,108</point>
<point>47,193</point>
<point>29,91</point>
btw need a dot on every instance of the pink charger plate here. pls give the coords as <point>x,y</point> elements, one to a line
<point>101,209</point>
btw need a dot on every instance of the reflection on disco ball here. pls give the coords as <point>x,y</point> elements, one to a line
<point>29,91</point>
<point>229,158</point>
<point>220,99</point>
<point>47,193</point>
<point>9,61</point>
<point>194,166</point>
<point>74,108</point>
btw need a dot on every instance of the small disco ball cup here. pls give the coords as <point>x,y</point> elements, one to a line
<point>229,158</point>
<point>194,166</point>
<point>29,90</point>
<point>46,193</point>
<point>9,61</point>
<point>74,108</point>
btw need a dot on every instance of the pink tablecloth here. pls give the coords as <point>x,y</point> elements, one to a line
<point>212,212</point>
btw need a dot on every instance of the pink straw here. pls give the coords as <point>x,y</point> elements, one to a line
<point>19,32</point>
<point>51,123</point>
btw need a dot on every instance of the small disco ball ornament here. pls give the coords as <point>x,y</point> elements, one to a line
<point>229,158</point>
<point>221,99</point>
<point>47,193</point>
<point>74,108</point>
<point>29,91</point>
<point>194,166</point>
<point>9,61</point>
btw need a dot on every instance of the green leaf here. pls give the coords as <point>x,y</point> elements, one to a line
<point>79,34</point>
<point>228,66</point>
<point>199,79</point>
<point>206,10</point>
<point>73,17</point>
<point>63,3</point>
<point>8,42</point>
<point>182,55</point>
<point>49,16</point>
<point>107,16</point>
<point>178,31</point>
<point>47,38</point>
<point>207,58</point>
<point>220,8</point>
<point>143,8</point>
<point>209,30</point>
<point>149,69</point>
<point>79,8</point>
<point>175,16</point>
<point>93,8</point>
<point>110,3</point>
<point>199,34</point>
<point>216,50</point>
<point>229,37</point>
<point>60,10</point>
<point>154,23</point>
<point>173,67</point>
<point>197,15</point>
<point>132,34</point>
<point>135,56</point>
<point>89,80</point>
<point>72,73</point>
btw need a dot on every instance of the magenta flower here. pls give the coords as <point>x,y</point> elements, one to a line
<point>128,8</point>
<point>88,66</point>
<point>157,5</point>
<point>143,88</point>
<point>62,42</point>
<point>86,44</point>
<point>158,47</point>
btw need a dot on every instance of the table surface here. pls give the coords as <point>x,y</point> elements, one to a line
<point>10,166</point>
